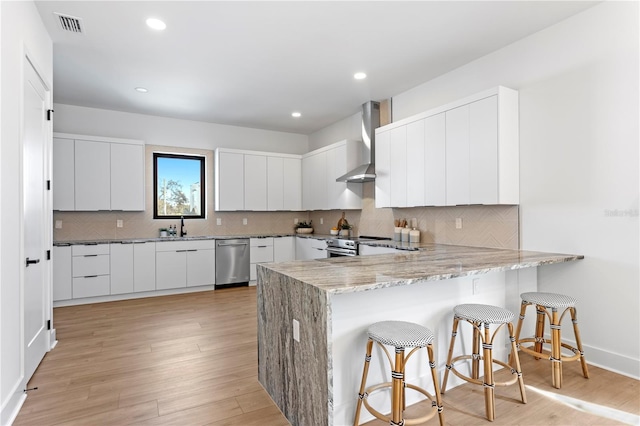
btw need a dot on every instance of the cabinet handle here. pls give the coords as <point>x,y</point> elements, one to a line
<point>181,251</point>
<point>90,255</point>
<point>261,246</point>
<point>91,276</point>
<point>32,261</point>
<point>192,250</point>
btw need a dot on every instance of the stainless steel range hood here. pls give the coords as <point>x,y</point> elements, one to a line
<point>370,121</point>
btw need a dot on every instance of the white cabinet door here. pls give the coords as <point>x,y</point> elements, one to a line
<point>457,155</point>
<point>336,160</point>
<point>316,181</point>
<point>121,268</point>
<point>304,249</point>
<point>292,182</point>
<point>62,277</point>
<point>483,151</point>
<point>229,182</point>
<point>398,166</point>
<point>127,177</point>
<point>284,249</point>
<point>144,267</point>
<point>275,183</point>
<point>435,160</point>
<point>92,175</point>
<point>201,267</point>
<point>255,182</point>
<point>415,164</point>
<point>63,174</point>
<point>171,269</point>
<point>383,170</point>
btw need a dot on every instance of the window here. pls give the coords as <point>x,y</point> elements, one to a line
<point>178,186</point>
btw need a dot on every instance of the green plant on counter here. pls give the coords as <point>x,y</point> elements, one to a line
<point>303,224</point>
<point>345,225</point>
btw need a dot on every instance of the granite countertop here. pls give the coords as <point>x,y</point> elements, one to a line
<point>432,262</point>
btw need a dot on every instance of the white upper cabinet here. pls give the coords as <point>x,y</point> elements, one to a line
<point>383,169</point>
<point>257,181</point>
<point>435,193</point>
<point>93,173</point>
<point>64,197</point>
<point>465,152</point>
<point>322,167</point>
<point>229,171</point>
<point>127,177</point>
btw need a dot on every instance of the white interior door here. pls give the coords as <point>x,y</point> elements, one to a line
<point>33,181</point>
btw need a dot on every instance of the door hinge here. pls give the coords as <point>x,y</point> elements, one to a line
<point>48,324</point>
<point>49,114</point>
<point>48,185</point>
<point>48,254</point>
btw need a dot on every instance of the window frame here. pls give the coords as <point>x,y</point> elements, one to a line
<point>203,204</point>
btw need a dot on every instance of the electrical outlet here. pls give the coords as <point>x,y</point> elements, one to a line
<point>321,221</point>
<point>475,285</point>
<point>119,223</point>
<point>58,224</point>
<point>295,221</point>
<point>296,330</point>
<point>244,220</point>
<point>218,221</point>
<point>458,223</point>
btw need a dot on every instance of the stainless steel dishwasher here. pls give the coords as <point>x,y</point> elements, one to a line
<point>232,262</point>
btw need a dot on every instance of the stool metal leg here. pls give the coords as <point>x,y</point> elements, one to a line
<point>361,394</point>
<point>515,363</point>
<point>454,332</point>
<point>583,361</point>
<point>436,384</point>
<point>489,385</point>
<point>556,346</point>
<point>397,388</point>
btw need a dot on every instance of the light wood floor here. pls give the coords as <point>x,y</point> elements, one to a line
<point>192,360</point>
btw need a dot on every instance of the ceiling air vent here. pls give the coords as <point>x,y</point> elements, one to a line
<point>70,23</point>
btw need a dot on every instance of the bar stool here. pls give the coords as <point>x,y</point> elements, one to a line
<point>544,302</point>
<point>401,335</point>
<point>482,316</point>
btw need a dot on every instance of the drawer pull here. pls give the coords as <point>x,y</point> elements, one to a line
<point>90,276</point>
<point>262,246</point>
<point>90,255</point>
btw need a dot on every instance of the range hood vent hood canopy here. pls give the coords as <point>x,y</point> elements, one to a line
<point>370,121</point>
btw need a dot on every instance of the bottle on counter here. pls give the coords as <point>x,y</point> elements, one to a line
<point>405,234</point>
<point>414,236</point>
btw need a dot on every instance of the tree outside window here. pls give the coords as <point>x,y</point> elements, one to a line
<point>178,186</point>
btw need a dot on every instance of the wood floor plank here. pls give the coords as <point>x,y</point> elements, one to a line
<point>191,359</point>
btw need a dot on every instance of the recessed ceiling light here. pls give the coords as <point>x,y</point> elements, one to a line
<point>359,76</point>
<point>141,90</point>
<point>156,24</point>
<point>296,114</point>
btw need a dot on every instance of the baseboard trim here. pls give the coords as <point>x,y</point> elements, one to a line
<point>11,409</point>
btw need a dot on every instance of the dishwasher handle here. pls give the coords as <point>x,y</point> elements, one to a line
<point>232,244</point>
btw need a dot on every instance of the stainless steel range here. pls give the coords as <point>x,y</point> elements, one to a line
<point>340,247</point>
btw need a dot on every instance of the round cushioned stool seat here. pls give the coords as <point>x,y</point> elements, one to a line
<point>550,300</point>
<point>400,334</point>
<point>486,314</point>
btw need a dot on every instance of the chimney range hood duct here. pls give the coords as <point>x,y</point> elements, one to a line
<point>370,121</point>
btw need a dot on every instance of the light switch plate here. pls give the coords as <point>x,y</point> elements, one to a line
<point>58,224</point>
<point>244,220</point>
<point>119,223</point>
<point>458,223</point>
<point>218,221</point>
<point>296,330</point>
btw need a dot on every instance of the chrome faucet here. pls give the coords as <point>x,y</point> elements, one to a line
<point>183,232</point>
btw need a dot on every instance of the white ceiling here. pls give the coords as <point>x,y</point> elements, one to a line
<point>251,64</point>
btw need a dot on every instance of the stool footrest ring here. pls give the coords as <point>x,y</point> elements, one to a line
<point>481,382</point>
<point>415,421</point>
<point>547,354</point>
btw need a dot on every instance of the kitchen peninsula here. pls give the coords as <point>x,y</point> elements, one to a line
<point>312,369</point>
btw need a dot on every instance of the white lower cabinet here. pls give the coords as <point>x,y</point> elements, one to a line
<point>284,249</point>
<point>133,267</point>
<point>310,248</point>
<point>121,268</point>
<point>261,252</point>
<point>90,270</point>
<point>365,250</point>
<point>185,264</point>
<point>62,275</point>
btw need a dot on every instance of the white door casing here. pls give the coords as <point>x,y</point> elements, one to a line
<point>36,268</point>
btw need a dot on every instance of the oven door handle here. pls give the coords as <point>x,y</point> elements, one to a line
<point>341,252</point>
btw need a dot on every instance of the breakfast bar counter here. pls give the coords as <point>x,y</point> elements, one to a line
<point>313,316</point>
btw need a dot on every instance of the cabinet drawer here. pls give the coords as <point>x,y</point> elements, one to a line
<point>90,265</point>
<point>91,286</point>
<point>261,254</point>
<point>83,250</point>
<point>259,242</point>
<point>185,245</point>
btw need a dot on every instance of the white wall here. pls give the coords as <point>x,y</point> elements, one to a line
<point>21,32</point>
<point>348,128</point>
<point>579,95</point>
<point>173,132</point>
